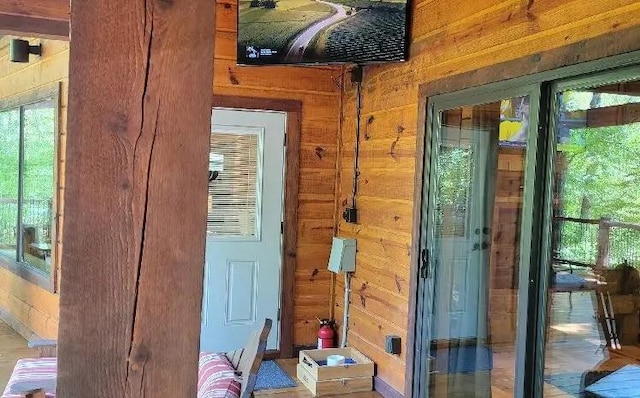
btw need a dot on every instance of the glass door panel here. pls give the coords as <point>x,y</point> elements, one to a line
<point>473,237</point>
<point>593,300</point>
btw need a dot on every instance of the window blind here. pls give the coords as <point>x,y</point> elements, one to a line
<point>234,194</point>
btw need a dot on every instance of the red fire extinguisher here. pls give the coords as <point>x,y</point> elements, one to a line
<point>326,334</point>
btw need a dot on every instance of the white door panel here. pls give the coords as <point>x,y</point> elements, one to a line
<point>244,240</point>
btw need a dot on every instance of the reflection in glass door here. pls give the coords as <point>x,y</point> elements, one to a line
<point>471,238</point>
<point>593,301</point>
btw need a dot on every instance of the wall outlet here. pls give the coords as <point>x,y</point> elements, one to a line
<point>393,345</point>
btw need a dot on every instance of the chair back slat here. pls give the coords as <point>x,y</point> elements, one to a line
<point>247,361</point>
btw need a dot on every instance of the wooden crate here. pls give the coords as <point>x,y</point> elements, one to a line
<point>310,358</point>
<point>335,386</point>
<point>328,380</point>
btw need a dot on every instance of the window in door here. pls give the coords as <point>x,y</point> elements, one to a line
<point>234,193</point>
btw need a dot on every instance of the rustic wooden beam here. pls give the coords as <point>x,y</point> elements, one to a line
<point>629,88</point>
<point>40,18</point>
<point>135,200</point>
<point>613,115</point>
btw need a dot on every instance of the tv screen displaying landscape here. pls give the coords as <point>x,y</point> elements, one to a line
<point>319,31</point>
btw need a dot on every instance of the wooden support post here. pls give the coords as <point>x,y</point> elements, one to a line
<point>604,228</point>
<point>140,90</point>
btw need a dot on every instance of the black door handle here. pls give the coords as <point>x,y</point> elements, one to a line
<point>424,263</point>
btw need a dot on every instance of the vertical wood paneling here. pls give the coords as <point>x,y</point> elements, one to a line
<point>448,38</point>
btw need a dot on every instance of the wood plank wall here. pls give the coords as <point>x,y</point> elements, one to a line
<point>447,38</point>
<point>26,307</point>
<point>316,88</point>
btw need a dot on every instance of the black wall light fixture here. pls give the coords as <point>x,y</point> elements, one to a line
<point>19,50</point>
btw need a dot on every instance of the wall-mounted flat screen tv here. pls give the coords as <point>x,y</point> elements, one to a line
<point>319,31</point>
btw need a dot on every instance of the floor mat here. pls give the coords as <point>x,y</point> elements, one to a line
<point>463,359</point>
<point>570,383</point>
<point>271,376</point>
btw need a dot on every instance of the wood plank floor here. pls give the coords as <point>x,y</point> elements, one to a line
<point>12,348</point>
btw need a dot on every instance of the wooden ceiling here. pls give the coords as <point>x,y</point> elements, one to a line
<point>39,18</point>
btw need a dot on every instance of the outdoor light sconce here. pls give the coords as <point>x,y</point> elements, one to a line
<point>19,50</point>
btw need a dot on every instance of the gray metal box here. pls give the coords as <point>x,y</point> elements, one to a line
<point>343,255</point>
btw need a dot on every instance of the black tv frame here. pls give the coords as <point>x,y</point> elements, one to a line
<point>405,52</point>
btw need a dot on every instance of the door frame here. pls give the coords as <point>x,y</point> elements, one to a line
<point>614,49</point>
<point>293,110</point>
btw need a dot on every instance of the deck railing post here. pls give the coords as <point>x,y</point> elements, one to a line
<point>604,228</point>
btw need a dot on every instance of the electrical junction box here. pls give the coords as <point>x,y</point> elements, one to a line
<point>343,255</point>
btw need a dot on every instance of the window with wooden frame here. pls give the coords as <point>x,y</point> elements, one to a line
<point>28,181</point>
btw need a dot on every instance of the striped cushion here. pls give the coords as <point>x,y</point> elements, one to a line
<point>32,370</point>
<point>217,377</point>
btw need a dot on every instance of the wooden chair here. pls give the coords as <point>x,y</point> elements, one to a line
<point>246,361</point>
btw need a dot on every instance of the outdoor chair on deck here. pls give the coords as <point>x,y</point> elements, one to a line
<point>230,375</point>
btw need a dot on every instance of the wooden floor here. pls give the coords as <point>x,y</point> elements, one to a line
<point>12,348</point>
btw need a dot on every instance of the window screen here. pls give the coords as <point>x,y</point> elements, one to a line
<point>234,195</point>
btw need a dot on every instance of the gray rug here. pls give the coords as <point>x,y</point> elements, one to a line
<point>272,376</point>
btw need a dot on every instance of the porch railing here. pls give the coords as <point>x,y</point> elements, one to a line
<point>596,242</point>
<point>36,212</point>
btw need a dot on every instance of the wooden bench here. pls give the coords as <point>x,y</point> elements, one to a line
<point>36,377</point>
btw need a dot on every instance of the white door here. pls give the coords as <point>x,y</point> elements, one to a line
<point>244,238</point>
<point>462,239</point>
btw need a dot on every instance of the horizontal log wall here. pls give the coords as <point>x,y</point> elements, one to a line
<point>28,308</point>
<point>447,38</point>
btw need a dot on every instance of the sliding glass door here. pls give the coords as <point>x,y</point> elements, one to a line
<point>529,280</point>
<point>474,241</point>
<point>592,317</point>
